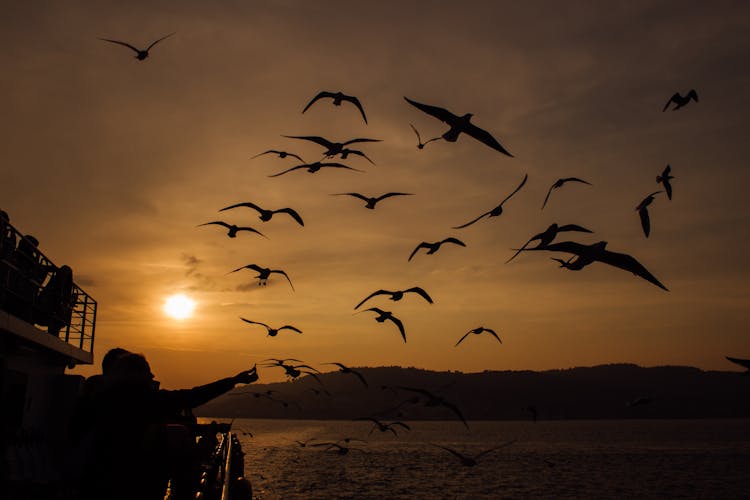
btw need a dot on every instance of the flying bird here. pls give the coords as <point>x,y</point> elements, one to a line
<point>139,54</point>
<point>272,332</point>
<point>264,273</point>
<point>420,144</point>
<point>314,167</point>
<point>265,215</point>
<point>498,209</point>
<point>336,148</point>
<point>745,363</point>
<point>459,124</point>
<point>280,154</point>
<point>680,101</point>
<point>337,97</point>
<point>664,179</point>
<point>386,315</point>
<point>233,230</point>
<point>371,202</point>
<point>345,369</point>
<point>558,183</point>
<point>397,295</point>
<point>477,331</point>
<point>468,460</point>
<point>588,254</point>
<point>642,209</point>
<point>433,400</point>
<point>384,426</point>
<point>549,234</point>
<point>434,247</point>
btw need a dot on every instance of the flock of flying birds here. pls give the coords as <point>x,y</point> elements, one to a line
<point>333,154</point>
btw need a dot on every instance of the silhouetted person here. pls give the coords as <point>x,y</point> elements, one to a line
<point>55,301</point>
<point>126,450</point>
<point>7,246</point>
<point>26,275</point>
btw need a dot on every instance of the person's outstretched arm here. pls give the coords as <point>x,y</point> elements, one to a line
<point>174,401</point>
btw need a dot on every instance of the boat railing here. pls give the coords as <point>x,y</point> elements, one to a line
<point>38,292</point>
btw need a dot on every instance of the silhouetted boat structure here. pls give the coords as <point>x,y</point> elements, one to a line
<point>46,327</point>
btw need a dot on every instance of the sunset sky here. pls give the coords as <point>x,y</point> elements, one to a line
<point>112,163</point>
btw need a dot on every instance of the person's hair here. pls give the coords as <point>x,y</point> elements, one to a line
<point>132,367</point>
<point>109,359</point>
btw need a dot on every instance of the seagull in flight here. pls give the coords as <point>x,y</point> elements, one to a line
<point>642,209</point>
<point>139,54</point>
<point>434,247</point>
<point>336,148</point>
<point>314,167</point>
<point>549,234</point>
<point>265,215</point>
<point>272,332</point>
<point>233,230</point>
<point>345,369</point>
<point>498,209</point>
<point>433,400</point>
<point>384,426</point>
<point>745,363</point>
<point>664,179</point>
<point>397,295</point>
<point>371,202</point>
<point>459,124</point>
<point>477,331</point>
<point>680,101</point>
<point>387,315</point>
<point>263,273</point>
<point>337,97</point>
<point>468,460</point>
<point>588,254</point>
<point>280,154</point>
<point>558,183</point>
<point>420,144</point>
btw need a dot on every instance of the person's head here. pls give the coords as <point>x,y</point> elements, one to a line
<point>132,368</point>
<point>111,358</point>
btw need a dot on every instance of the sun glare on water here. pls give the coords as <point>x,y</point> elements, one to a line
<point>179,306</point>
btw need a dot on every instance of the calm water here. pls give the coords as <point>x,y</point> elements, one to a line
<point>563,459</point>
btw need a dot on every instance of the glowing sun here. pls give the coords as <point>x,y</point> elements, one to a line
<point>179,306</point>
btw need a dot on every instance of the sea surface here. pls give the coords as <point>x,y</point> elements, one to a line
<point>547,459</point>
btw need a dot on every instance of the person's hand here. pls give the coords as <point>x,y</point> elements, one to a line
<point>246,377</point>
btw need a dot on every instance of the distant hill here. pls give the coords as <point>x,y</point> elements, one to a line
<point>607,391</point>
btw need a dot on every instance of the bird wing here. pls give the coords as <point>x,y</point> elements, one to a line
<point>244,204</point>
<point>672,99</point>
<point>254,322</point>
<point>159,40</point>
<point>360,153</point>
<point>356,102</point>
<point>400,326</point>
<point>352,141</point>
<point>573,227</point>
<point>564,246</point>
<point>290,327</point>
<point>507,443</point>
<point>264,153</point>
<point>293,213</point>
<point>549,192</point>
<point>379,292</point>
<point>217,222</point>
<point>471,221</point>
<point>360,377</point>
<point>339,165</point>
<point>388,195</point>
<point>453,452</point>
<point>453,240</point>
<point>575,179</point>
<point>320,95</point>
<point>313,138</point>
<point>419,138</point>
<point>645,221</point>
<point>525,178</point>
<point>121,43</point>
<point>340,365</point>
<point>441,114</point>
<point>742,362</point>
<point>693,94</point>
<point>421,292</point>
<point>251,230</point>
<point>485,137</point>
<point>279,271</point>
<point>424,244</point>
<point>667,187</point>
<point>289,170</point>
<point>356,195</point>
<point>628,263</point>
<point>523,247</point>
<point>492,332</point>
<point>462,338</point>
<point>405,426</point>
<point>455,410</point>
